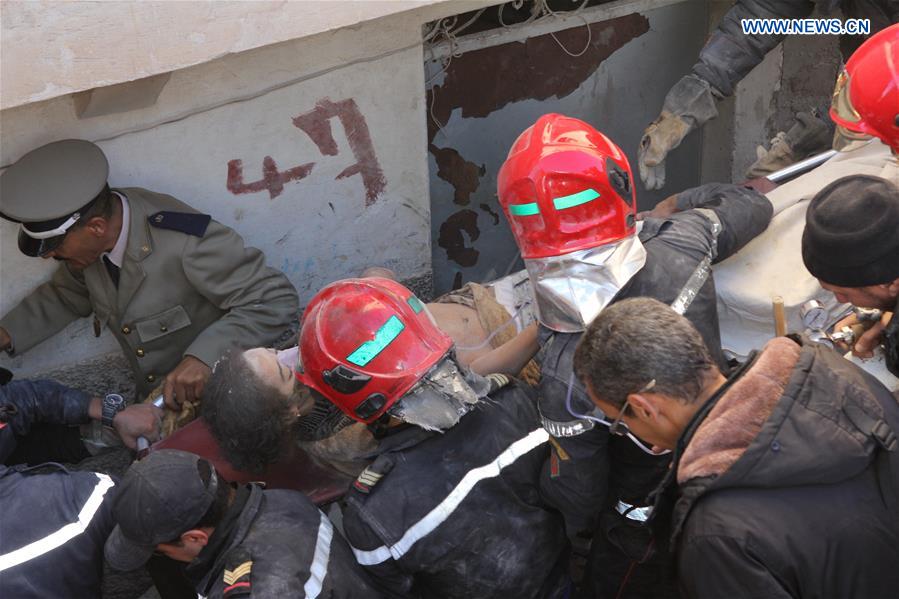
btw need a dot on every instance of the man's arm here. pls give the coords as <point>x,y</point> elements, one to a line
<point>46,311</point>
<point>729,54</point>
<point>742,213</point>
<point>714,567</point>
<point>385,574</point>
<point>260,301</point>
<point>26,403</point>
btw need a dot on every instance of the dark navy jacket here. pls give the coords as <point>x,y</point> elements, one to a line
<point>576,479</point>
<point>24,403</point>
<point>278,545</point>
<point>52,525</point>
<point>459,514</point>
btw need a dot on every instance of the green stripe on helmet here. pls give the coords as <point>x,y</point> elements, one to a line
<point>575,199</point>
<point>369,350</point>
<point>529,209</point>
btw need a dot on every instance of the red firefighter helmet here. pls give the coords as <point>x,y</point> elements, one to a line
<point>365,342</point>
<point>866,97</point>
<point>566,187</point>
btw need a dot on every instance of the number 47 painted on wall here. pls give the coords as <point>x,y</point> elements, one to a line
<point>317,125</point>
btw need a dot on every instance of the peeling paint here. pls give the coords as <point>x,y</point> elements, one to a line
<point>536,69</point>
<point>463,175</point>
<point>453,241</point>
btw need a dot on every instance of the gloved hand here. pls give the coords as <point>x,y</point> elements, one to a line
<point>809,135</point>
<point>688,105</point>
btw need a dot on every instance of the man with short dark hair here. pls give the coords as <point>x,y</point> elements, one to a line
<point>787,471</point>
<point>851,245</point>
<point>238,542</point>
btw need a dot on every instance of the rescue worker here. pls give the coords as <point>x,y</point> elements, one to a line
<point>726,58</point>
<point>851,245</point>
<point>237,542</point>
<point>865,106</point>
<point>26,405</point>
<point>568,194</point>
<point>450,506</point>
<point>174,287</point>
<point>787,471</point>
<point>53,525</point>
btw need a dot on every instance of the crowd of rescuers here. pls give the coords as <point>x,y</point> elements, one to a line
<point>690,477</point>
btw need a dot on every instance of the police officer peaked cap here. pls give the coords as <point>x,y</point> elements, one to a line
<point>50,184</point>
<point>851,236</point>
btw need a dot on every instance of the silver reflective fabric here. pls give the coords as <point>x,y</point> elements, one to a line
<point>441,397</point>
<point>572,289</point>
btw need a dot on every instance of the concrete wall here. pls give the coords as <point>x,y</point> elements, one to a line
<point>53,48</point>
<point>268,141</point>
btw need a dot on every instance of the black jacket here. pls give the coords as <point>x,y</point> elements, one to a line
<point>52,525</point>
<point>277,544</point>
<point>52,530</point>
<point>800,500</point>
<point>729,54</point>
<point>576,479</point>
<point>891,342</point>
<point>458,514</point>
<point>25,403</point>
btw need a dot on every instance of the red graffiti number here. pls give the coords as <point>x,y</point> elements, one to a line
<point>317,125</point>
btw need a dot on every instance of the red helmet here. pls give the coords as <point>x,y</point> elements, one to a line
<point>365,342</point>
<point>866,97</point>
<point>566,187</point>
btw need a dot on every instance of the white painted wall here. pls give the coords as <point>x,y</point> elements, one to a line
<point>241,108</point>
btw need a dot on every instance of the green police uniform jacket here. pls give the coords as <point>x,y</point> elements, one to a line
<point>185,288</point>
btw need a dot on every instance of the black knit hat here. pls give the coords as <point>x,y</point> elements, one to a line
<point>851,236</point>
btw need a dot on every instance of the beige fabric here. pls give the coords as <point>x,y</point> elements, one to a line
<point>771,264</point>
<point>178,295</point>
<point>737,418</point>
<point>492,315</point>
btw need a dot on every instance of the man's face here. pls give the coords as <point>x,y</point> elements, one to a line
<point>265,363</point>
<point>872,296</point>
<point>82,246</point>
<point>187,549</point>
<point>647,425</point>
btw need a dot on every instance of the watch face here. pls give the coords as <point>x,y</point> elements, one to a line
<point>814,315</point>
<point>114,400</point>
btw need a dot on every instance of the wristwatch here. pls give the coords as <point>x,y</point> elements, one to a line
<point>112,405</point>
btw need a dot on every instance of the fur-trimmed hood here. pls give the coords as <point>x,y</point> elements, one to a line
<point>798,415</point>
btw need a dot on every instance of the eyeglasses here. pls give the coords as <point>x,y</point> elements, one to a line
<point>620,428</point>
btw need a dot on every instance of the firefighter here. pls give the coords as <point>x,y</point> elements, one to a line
<point>568,194</point>
<point>450,505</point>
<point>237,541</point>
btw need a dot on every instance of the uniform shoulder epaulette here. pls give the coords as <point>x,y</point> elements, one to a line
<point>238,567</point>
<point>498,381</point>
<point>368,479</point>
<point>192,223</point>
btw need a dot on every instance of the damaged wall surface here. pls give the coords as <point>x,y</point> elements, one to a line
<point>487,96</point>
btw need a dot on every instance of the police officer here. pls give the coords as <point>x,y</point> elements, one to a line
<point>568,194</point>
<point>174,287</point>
<point>237,541</point>
<point>54,524</point>
<point>450,507</point>
<point>727,57</point>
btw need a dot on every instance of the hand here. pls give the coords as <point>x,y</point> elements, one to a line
<point>663,209</point>
<point>849,321</point>
<point>186,382</point>
<point>138,420</point>
<point>663,135</point>
<point>5,340</point>
<point>870,339</point>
